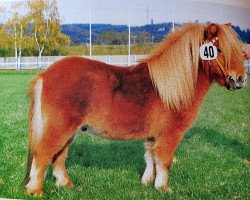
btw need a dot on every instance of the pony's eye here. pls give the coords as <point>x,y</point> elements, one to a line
<point>219,50</point>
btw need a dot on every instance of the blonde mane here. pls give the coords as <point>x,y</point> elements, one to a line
<point>173,66</point>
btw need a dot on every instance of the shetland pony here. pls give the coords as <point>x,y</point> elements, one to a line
<point>156,100</point>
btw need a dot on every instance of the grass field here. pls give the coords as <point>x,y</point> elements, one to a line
<point>212,160</point>
<point>136,49</point>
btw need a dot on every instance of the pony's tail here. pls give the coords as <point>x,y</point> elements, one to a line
<point>35,120</point>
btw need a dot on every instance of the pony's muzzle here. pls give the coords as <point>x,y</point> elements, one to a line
<point>235,83</point>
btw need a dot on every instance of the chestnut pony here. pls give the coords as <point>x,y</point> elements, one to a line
<point>156,100</point>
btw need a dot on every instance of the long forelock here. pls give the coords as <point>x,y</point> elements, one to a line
<point>229,44</point>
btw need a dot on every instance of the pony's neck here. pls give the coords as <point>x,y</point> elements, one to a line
<point>202,86</point>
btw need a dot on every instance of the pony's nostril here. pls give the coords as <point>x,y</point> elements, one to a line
<point>229,77</point>
<point>240,79</point>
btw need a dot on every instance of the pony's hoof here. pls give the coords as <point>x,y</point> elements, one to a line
<point>169,190</point>
<point>148,177</point>
<point>69,184</point>
<point>35,192</point>
<point>165,189</point>
<point>147,182</point>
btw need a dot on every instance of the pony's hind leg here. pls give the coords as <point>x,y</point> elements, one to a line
<point>53,139</point>
<point>59,168</point>
<point>149,173</point>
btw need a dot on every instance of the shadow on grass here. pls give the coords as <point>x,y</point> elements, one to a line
<point>121,155</point>
<point>217,139</point>
<point>115,154</point>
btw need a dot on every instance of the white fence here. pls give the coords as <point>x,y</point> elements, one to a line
<point>46,61</point>
<point>31,63</point>
<point>247,65</point>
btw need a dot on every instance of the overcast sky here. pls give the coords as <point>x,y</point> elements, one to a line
<point>142,11</point>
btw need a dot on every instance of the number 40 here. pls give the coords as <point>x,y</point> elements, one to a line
<point>208,52</point>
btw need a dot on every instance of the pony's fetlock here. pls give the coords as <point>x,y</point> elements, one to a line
<point>33,191</point>
<point>161,180</point>
<point>148,176</point>
<point>149,173</point>
<point>62,177</point>
<point>69,184</point>
<point>64,183</point>
<point>147,181</point>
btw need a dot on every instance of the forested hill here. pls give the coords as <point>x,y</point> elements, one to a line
<point>117,34</point>
<point>80,32</point>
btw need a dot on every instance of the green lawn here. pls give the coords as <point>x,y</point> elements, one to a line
<point>136,49</point>
<point>211,160</point>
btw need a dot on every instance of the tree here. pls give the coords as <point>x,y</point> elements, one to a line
<point>45,26</point>
<point>141,37</point>
<point>113,38</point>
<point>56,38</point>
<point>38,23</point>
<point>33,28</point>
<point>13,30</point>
<point>3,45</point>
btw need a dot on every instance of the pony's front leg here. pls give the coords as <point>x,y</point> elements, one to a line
<point>164,150</point>
<point>149,173</point>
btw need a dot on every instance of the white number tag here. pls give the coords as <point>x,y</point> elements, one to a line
<point>208,51</point>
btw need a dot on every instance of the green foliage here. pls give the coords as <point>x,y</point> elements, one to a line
<point>35,31</point>
<point>113,38</point>
<point>210,159</point>
<point>140,37</point>
<point>118,38</point>
<point>6,41</point>
<point>6,52</point>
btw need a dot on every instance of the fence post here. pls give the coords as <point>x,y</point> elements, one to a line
<point>36,62</point>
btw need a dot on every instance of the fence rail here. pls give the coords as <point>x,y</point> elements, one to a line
<point>31,63</point>
<point>45,61</point>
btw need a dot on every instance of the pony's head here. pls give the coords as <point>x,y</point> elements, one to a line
<point>174,65</point>
<point>228,68</point>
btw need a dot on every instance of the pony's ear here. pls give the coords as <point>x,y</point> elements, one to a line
<point>228,24</point>
<point>211,31</point>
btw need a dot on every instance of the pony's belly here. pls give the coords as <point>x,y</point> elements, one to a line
<point>114,133</point>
